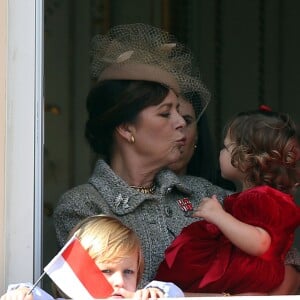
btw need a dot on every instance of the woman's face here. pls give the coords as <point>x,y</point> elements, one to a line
<point>159,132</point>
<point>188,113</point>
<point>122,275</point>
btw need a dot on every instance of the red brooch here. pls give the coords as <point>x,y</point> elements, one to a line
<point>186,206</point>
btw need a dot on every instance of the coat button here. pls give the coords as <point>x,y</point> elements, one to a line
<point>168,211</point>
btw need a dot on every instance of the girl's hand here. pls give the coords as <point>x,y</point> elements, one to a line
<point>150,292</point>
<point>18,294</point>
<point>209,209</point>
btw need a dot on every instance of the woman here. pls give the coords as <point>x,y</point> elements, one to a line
<point>134,125</point>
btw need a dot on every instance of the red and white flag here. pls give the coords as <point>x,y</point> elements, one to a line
<point>76,274</point>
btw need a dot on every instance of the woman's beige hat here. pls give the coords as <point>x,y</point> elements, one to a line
<point>143,52</point>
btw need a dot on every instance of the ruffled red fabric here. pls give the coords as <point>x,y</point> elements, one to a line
<point>202,259</point>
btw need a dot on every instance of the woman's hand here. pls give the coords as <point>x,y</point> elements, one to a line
<point>18,294</point>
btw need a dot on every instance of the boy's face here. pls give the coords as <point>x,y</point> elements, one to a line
<point>121,274</point>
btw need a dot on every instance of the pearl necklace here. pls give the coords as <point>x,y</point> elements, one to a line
<point>144,189</point>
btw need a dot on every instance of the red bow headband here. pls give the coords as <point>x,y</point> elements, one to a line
<point>264,107</point>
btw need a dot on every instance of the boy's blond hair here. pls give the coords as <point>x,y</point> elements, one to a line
<point>107,239</point>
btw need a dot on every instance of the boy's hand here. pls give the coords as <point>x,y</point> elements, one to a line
<point>18,294</point>
<point>150,292</point>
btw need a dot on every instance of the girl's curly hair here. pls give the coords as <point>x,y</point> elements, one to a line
<point>266,148</point>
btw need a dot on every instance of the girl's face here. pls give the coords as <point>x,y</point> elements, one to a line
<point>159,132</point>
<point>228,171</point>
<point>188,113</point>
<point>122,274</point>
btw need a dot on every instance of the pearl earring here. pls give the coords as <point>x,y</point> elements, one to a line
<point>132,140</point>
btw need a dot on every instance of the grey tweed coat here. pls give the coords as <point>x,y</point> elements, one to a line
<point>156,218</point>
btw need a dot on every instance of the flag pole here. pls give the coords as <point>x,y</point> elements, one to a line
<point>36,283</point>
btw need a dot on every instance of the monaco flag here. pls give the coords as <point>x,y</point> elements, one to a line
<point>76,274</point>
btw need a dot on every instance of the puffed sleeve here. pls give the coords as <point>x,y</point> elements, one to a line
<point>267,208</point>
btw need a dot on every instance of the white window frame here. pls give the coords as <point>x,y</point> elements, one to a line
<point>22,210</point>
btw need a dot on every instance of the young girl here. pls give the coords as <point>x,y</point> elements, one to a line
<point>241,247</point>
<point>117,252</point>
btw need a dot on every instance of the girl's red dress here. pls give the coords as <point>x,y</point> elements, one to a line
<point>202,259</point>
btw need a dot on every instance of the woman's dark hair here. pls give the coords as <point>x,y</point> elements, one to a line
<point>114,102</point>
<point>203,161</point>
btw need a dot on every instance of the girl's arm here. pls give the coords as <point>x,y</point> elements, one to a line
<point>250,239</point>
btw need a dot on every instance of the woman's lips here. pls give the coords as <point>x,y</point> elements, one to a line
<point>181,141</point>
